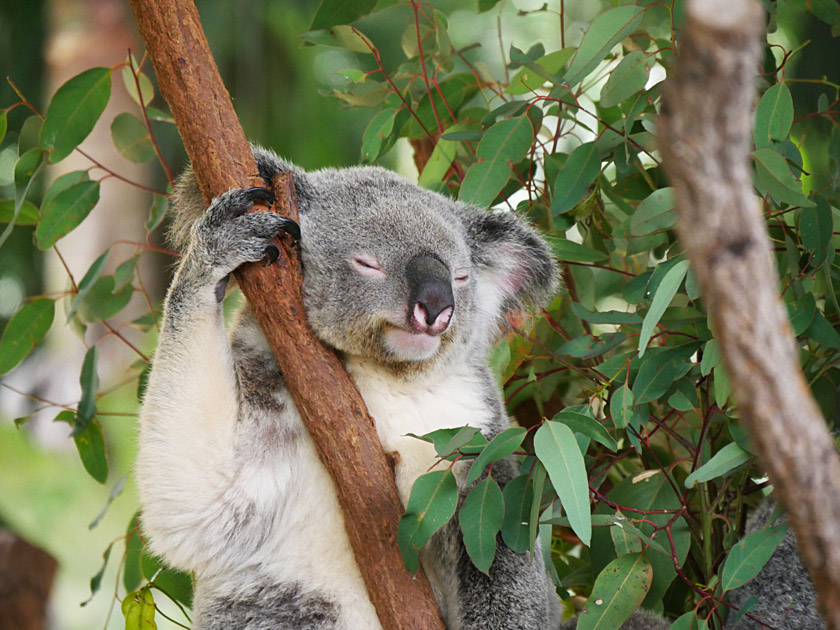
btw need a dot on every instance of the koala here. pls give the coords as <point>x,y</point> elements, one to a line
<point>410,287</point>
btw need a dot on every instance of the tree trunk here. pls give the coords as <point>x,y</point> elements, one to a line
<point>705,134</point>
<point>26,576</point>
<point>324,394</point>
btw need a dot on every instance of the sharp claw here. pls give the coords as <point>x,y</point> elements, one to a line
<point>260,194</point>
<point>291,228</point>
<point>272,253</point>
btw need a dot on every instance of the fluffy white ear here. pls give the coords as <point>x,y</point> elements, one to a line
<point>514,264</point>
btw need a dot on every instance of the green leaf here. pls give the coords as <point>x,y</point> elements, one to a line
<point>711,357</point>
<point>116,491</point>
<point>618,591</point>
<point>377,133</point>
<point>102,301</point>
<point>724,461</point>
<point>657,212</point>
<point>587,346</point>
<point>501,446</point>
<point>557,449</point>
<point>816,226</point>
<point>138,608</point>
<point>96,580</point>
<point>586,425</point>
<point>91,446</point>
<point>575,178</point>
<point>442,157</point>
<point>26,170</point>
<point>28,214</point>
<point>333,12</point>
<point>823,332</point>
<point>801,313</point>
<point>132,572</point>
<point>481,517</point>
<point>147,90</point>
<point>24,331</point>
<point>74,110</point>
<point>447,441</point>
<point>3,124</point>
<point>89,380</point>
<point>621,406</point>
<point>518,496</point>
<point>63,182</point>
<point>503,145</point>
<point>124,274</point>
<point>87,282</point>
<point>433,499</point>
<point>538,476</point>
<point>723,388</point>
<point>749,556</point>
<point>132,140</point>
<point>628,78</point>
<point>63,213</point>
<point>160,204</point>
<point>566,250</point>
<point>773,116</point>
<point>624,542</point>
<point>606,31</point>
<point>534,74</point>
<point>665,292</point>
<point>658,371</point>
<point>605,317</point>
<point>689,621</point>
<point>774,176</point>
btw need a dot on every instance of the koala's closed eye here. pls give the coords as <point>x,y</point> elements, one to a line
<point>367,266</point>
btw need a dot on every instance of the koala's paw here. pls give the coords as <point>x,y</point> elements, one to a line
<point>228,235</point>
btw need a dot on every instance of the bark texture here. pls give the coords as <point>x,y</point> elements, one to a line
<point>326,397</point>
<point>705,133</point>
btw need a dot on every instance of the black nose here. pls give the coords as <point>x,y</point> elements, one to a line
<point>430,302</point>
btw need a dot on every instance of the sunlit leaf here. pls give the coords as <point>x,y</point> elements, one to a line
<point>501,446</point>
<point>665,292</point>
<point>773,116</point>
<point>724,461</point>
<point>749,556</point>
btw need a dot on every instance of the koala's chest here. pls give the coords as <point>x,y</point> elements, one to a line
<point>403,408</point>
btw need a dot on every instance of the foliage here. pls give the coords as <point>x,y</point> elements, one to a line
<point>642,472</point>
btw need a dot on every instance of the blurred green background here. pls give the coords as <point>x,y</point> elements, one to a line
<point>276,84</point>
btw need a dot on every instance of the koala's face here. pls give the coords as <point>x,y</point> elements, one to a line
<point>387,269</point>
<point>402,276</point>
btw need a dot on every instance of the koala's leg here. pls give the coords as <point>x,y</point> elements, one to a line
<point>189,477</point>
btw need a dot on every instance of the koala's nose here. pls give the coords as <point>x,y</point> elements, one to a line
<point>431,302</point>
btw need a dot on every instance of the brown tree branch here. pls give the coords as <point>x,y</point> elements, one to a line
<point>324,394</point>
<point>705,133</point>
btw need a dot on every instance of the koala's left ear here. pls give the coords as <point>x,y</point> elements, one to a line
<point>514,264</point>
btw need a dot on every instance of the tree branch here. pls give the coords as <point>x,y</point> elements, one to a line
<point>324,394</point>
<point>705,137</point>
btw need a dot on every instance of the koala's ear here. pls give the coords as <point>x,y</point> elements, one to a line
<point>514,264</point>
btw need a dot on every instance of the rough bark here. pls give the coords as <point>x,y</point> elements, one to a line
<point>326,397</point>
<point>26,576</point>
<point>705,136</point>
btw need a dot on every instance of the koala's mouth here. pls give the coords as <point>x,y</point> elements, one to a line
<point>406,345</point>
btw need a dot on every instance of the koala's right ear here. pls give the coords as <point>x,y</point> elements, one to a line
<point>513,263</point>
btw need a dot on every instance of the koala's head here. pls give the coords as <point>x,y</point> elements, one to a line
<point>405,277</point>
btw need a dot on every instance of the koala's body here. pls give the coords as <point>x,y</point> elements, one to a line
<point>410,287</point>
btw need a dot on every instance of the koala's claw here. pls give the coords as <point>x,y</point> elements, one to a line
<point>259,194</point>
<point>291,228</point>
<point>272,253</point>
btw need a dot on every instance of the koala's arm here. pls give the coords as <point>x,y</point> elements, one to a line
<point>187,466</point>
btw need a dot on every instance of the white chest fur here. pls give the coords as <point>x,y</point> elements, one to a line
<point>400,407</point>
